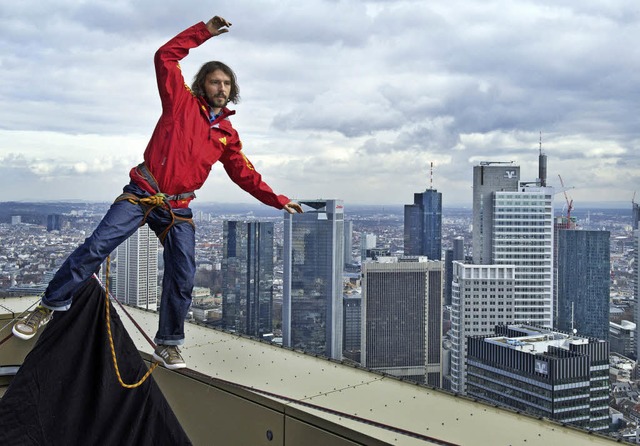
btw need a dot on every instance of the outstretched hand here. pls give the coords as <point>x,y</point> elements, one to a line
<point>217,25</point>
<point>292,207</point>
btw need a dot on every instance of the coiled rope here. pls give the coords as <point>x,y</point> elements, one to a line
<point>111,345</point>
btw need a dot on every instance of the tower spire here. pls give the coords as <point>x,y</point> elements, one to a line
<point>540,142</point>
<point>542,165</point>
<point>431,176</point>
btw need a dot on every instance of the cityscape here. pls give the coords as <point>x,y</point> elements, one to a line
<point>520,300</point>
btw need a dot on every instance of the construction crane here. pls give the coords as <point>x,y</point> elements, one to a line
<point>566,197</point>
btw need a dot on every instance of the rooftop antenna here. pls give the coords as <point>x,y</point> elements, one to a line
<point>542,165</point>
<point>540,142</point>
<point>431,176</point>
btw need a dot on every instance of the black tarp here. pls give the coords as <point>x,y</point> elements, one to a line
<point>67,393</point>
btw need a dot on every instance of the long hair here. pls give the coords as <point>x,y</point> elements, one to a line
<point>197,87</point>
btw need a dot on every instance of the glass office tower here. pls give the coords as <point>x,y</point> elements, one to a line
<point>584,276</point>
<point>312,290</point>
<point>247,276</point>
<point>423,225</point>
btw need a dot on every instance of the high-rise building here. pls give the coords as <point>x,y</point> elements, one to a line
<point>348,243</point>
<point>481,298</point>
<point>584,276</point>
<point>367,243</point>
<point>402,318</point>
<point>54,222</point>
<point>458,248</point>
<point>136,279</point>
<point>423,225</point>
<point>635,214</point>
<point>448,276</point>
<point>247,277</point>
<point>512,229</point>
<point>450,255</point>
<point>489,177</point>
<point>522,236</point>
<point>352,331</point>
<point>560,222</point>
<point>312,283</point>
<point>542,372</point>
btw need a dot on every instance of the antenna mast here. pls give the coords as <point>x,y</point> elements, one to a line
<point>431,176</point>
<point>540,142</point>
<point>542,165</point>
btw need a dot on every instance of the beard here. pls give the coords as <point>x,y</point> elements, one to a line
<point>217,101</point>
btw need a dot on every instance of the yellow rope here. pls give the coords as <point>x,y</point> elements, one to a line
<point>113,350</point>
<point>158,199</point>
<point>149,204</point>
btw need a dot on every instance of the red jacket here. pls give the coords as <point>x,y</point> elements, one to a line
<point>184,144</point>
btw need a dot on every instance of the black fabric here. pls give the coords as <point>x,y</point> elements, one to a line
<point>67,393</point>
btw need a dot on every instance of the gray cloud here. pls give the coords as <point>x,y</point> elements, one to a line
<point>342,97</point>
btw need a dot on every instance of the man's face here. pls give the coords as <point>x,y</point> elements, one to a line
<point>217,87</point>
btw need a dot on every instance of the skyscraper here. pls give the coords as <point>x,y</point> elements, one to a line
<point>489,177</point>
<point>560,222</point>
<point>402,318</point>
<point>348,244</point>
<point>450,255</point>
<point>458,248</point>
<point>54,222</point>
<point>312,290</point>
<point>136,279</point>
<point>423,225</point>
<point>352,332</point>
<point>481,298</point>
<point>584,276</point>
<point>247,277</point>
<point>513,230</point>
<point>523,236</point>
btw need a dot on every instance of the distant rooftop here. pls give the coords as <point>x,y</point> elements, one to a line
<point>538,340</point>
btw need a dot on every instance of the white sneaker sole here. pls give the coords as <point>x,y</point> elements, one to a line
<point>24,337</point>
<point>169,366</point>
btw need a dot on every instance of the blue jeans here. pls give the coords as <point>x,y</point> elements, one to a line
<point>121,220</point>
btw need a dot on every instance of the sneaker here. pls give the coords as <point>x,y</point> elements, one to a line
<point>28,326</point>
<point>169,356</point>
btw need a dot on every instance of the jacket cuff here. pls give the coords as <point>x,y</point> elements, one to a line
<point>203,31</point>
<point>282,200</point>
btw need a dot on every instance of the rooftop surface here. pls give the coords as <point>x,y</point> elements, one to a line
<point>377,406</point>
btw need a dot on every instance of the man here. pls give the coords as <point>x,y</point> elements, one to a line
<point>192,134</point>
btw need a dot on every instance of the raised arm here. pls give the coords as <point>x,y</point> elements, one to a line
<point>171,84</point>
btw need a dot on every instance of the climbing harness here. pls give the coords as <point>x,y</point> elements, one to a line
<point>159,200</point>
<point>111,345</point>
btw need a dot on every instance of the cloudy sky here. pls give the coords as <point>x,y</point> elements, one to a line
<point>340,99</point>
